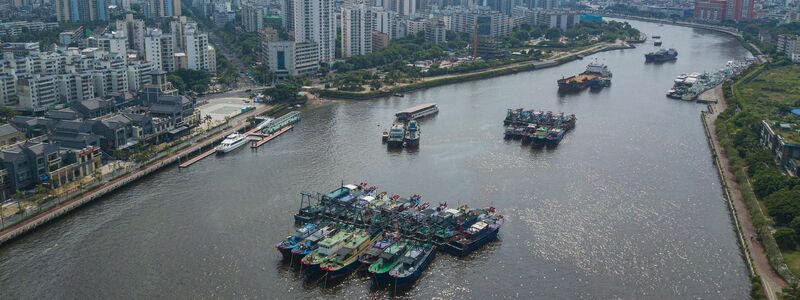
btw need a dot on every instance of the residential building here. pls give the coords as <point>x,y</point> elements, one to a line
<point>8,90</point>
<point>163,8</point>
<point>81,10</point>
<point>380,40</point>
<point>357,25</point>
<point>314,22</point>
<point>9,135</point>
<point>435,31</point>
<point>385,22</point>
<point>415,26</point>
<point>37,93</point>
<point>253,15</point>
<point>16,27</point>
<point>786,151</point>
<point>197,49</point>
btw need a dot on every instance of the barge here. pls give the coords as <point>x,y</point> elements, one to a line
<point>418,111</point>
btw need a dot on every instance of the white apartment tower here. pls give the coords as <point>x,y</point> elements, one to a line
<point>196,48</point>
<point>357,25</point>
<point>314,22</point>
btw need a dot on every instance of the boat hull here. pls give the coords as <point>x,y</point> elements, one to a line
<point>411,279</point>
<point>394,144</point>
<point>457,250</point>
<point>341,272</point>
<point>412,143</point>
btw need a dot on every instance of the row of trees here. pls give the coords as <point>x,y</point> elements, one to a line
<point>186,80</point>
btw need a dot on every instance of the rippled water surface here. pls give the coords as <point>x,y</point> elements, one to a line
<point>628,206</point>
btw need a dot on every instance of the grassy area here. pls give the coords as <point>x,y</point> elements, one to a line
<point>764,92</point>
<point>770,95</point>
<point>792,259</point>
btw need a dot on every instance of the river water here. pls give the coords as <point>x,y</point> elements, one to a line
<point>627,206</point>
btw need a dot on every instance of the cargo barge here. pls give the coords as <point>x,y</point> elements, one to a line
<point>596,75</point>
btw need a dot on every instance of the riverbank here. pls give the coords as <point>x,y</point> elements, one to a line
<point>190,148</point>
<point>758,260</point>
<point>483,74</point>
<point>722,29</point>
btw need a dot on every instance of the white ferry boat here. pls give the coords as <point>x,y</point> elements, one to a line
<point>231,142</point>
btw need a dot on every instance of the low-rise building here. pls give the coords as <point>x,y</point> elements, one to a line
<point>779,138</point>
<point>9,135</point>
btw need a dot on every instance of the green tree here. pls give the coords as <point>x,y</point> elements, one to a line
<point>282,92</point>
<point>553,33</point>
<point>785,237</point>
<point>783,206</point>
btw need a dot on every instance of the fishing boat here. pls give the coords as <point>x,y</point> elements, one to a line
<point>412,134</point>
<point>345,260</point>
<point>554,136</point>
<point>286,246</point>
<point>373,254</point>
<point>540,136</point>
<point>476,235</point>
<point>325,250</point>
<point>412,264</point>
<point>396,136</point>
<point>309,244</point>
<point>231,142</point>
<point>379,271</point>
<point>527,136</point>
<point>385,136</point>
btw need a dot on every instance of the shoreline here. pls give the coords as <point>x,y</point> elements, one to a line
<point>68,205</point>
<point>509,69</point>
<point>755,257</point>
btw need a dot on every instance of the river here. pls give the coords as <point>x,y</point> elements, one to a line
<point>628,205</point>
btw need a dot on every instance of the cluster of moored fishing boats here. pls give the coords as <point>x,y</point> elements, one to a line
<point>537,127</point>
<point>390,238</point>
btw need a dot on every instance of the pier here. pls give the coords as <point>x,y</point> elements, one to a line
<point>268,138</point>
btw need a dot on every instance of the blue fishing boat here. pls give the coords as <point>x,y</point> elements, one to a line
<point>412,264</point>
<point>309,244</point>
<point>373,254</point>
<point>286,246</point>
<point>412,134</point>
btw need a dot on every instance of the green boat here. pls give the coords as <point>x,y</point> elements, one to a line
<point>345,260</point>
<point>379,271</point>
<point>327,248</point>
<point>540,136</point>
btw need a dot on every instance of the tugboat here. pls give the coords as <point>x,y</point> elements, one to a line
<point>385,136</point>
<point>373,254</point>
<point>475,236</point>
<point>345,260</point>
<point>326,249</point>
<point>396,135</point>
<point>412,264</point>
<point>594,71</point>
<point>286,246</point>
<point>412,134</point>
<point>554,136</point>
<point>661,55</point>
<point>379,271</point>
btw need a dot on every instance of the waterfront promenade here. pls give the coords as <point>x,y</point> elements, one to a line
<point>62,208</point>
<point>753,251</point>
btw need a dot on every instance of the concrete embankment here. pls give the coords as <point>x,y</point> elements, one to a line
<point>123,180</point>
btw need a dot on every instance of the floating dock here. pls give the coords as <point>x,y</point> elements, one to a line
<point>268,138</point>
<point>195,159</point>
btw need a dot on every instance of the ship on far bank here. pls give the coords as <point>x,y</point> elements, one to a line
<point>657,40</point>
<point>596,75</point>
<point>661,55</point>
